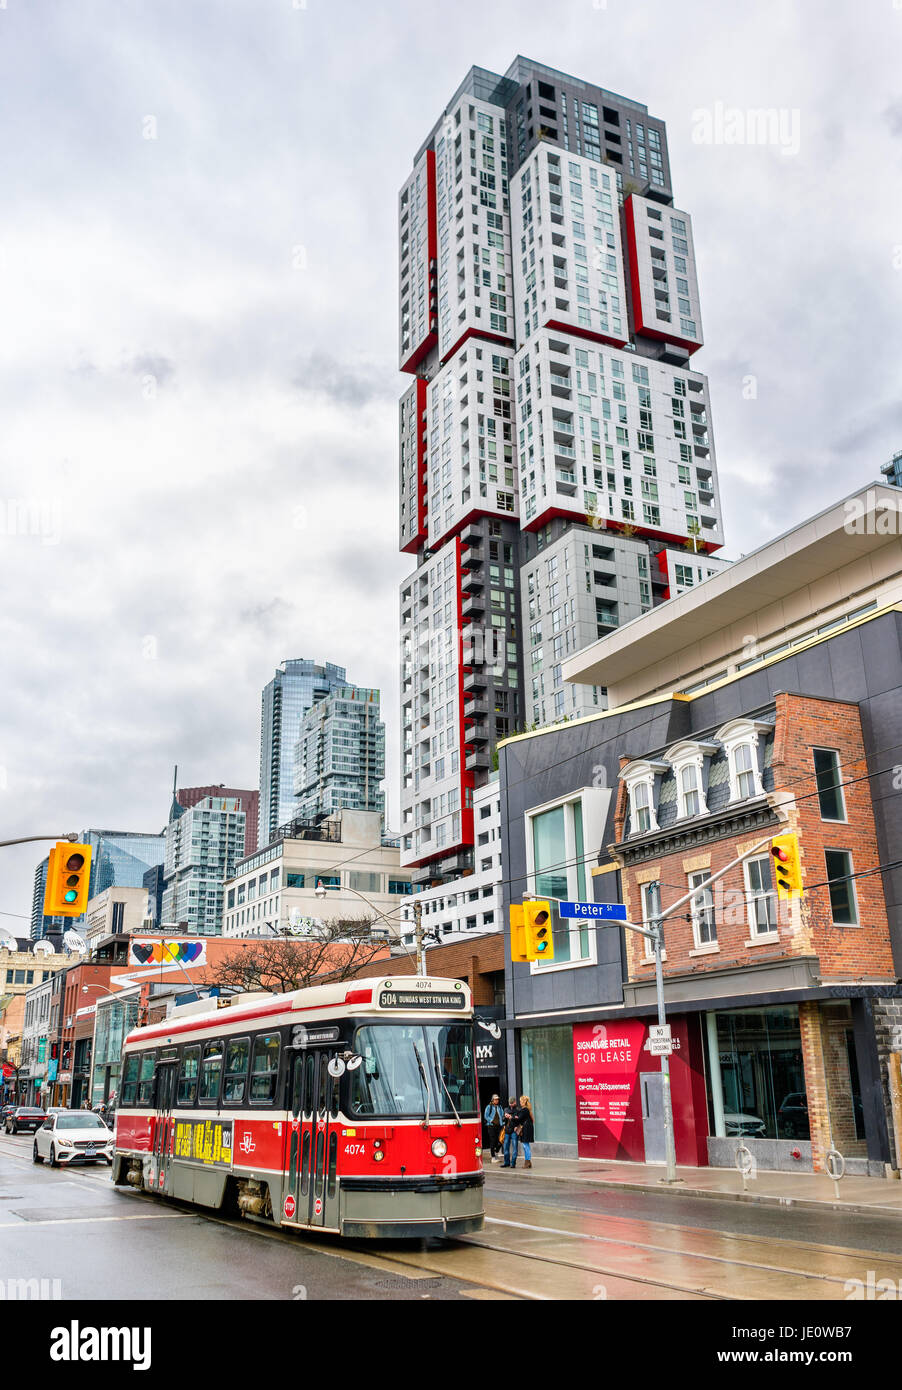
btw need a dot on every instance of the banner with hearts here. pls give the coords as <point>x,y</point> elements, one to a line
<point>168,953</point>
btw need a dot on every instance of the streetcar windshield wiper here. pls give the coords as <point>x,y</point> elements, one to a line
<point>422,1072</point>
<point>442,1079</point>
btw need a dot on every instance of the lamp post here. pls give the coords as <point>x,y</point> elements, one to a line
<point>320,891</point>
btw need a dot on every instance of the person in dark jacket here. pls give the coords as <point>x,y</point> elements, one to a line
<point>511,1139</point>
<point>494,1118</point>
<point>526,1127</point>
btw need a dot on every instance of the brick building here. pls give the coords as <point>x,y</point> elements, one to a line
<point>788,1077</point>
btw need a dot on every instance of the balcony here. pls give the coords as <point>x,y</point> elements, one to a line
<point>474,680</point>
<point>564,451</point>
<point>473,709</point>
<point>566,482</point>
<point>472,606</point>
<point>560,385</point>
<point>477,733</point>
<point>470,580</point>
<point>478,762</point>
<point>562,427</point>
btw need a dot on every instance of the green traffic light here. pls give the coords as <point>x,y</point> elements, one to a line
<point>70,897</point>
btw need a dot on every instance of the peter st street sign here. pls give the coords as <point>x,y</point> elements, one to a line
<point>603,912</point>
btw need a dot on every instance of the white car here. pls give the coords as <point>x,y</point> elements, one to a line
<point>73,1136</point>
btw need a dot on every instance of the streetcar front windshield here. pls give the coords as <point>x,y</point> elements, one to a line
<point>389,1081</point>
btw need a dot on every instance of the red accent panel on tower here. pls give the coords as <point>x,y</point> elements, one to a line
<point>422,532</point>
<point>663,567</point>
<point>477,333</point>
<point>466,778</point>
<point>578,332</point>
<point>639,324</point>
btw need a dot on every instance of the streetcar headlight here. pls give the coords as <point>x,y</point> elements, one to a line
<point>378,1155</point>
<point>439,1148</point>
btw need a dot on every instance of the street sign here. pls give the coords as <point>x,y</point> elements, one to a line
<point>660,1047</point>
<point>606,912</point>
<point>659,1030</point>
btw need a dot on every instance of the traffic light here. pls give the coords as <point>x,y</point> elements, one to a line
<point>784,852</point>
<point>537,929</point>
<point>518,933</point>
<point>68,876</point>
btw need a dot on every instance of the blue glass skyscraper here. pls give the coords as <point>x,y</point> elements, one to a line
<point>296,686</point>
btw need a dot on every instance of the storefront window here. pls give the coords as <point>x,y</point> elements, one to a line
<point>757,1074</point>
<point>546,1057</point>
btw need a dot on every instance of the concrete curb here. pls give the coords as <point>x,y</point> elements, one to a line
<point>763,1198</point>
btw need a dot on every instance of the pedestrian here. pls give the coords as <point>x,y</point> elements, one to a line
<point>494,1119</point>
<point>510,1133</point>
<point>526,1129</point>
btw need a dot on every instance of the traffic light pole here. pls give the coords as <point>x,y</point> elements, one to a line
<point>72,837</point>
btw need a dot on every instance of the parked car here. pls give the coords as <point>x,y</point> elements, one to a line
<point>73,1136</point>
<point>4,1111</point>
<point>745,1126</point>
<point>24,1119</point>
<point>793,1115</point>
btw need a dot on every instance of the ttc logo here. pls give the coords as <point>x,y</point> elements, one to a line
<point>247,1144</point>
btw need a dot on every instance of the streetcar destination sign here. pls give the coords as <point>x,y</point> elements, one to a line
<point>422,999</point>
<point>607,912</point>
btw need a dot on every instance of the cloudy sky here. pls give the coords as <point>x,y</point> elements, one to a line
<point>198,331</point>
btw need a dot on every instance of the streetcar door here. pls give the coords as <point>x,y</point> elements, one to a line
<point>162,1135</point>
<point>294,1141</point>
<point>322,1207</point>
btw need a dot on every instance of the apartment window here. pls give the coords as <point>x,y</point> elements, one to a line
<point>651,911</point>
<point>760,897</point>
<point>689,794</point>
<point>642,809</point>
<point>842,888</point>
<point>704,927</point>
<point>829,784</point>
<point>744,771</point>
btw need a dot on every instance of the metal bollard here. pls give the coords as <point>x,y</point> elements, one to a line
<point>745,1162</point>
<point>836,1168</point>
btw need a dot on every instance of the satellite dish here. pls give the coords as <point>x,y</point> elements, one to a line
<point>43,948</point>
<point>335,1067</point>
<point>74,942</point>
<point>7,942</point>
<point>354,1063</point>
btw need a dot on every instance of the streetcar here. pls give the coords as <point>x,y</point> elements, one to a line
<point>345,1108</point>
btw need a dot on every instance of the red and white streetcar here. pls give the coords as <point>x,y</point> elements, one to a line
<point>350,1108</point>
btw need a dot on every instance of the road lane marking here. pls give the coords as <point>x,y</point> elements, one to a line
<point>24,1223</point>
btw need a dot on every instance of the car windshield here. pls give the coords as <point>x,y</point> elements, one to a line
<point>389,1081</point>
<point>79,1119</point>
<point>28,1110</point>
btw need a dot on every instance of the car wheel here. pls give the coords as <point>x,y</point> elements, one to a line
<point>35,1155</point>
<point>14,1130</point>
<point>53,1162</point>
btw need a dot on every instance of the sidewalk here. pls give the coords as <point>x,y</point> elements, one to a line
<point>882,1196</point>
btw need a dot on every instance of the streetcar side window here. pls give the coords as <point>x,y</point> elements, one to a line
<point>210,1073</point>
<point>187,1090</point>
<point>237,1054</point>
<point>130,1079</point>
<point>145,1078</point>
<point>265,1068</point>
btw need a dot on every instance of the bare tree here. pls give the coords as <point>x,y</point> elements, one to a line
<point>279,964</point>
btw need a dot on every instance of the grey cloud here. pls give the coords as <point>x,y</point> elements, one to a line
<point>342,383</point>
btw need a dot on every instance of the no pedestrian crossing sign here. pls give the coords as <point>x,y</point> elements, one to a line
<point>605,912</point>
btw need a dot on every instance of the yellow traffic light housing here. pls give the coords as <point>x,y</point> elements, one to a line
<point>787,865</point>
<point>68,877</point>
<point>518,933</point>
<point>538,931</point>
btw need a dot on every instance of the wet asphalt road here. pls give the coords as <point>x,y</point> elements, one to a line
<point>542,1240</point>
